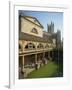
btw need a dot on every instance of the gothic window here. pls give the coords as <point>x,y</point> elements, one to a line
<point>40,46</point>
<point>34,30</point>
<point>30,46</point>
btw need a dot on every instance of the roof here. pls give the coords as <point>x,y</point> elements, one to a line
<point>32,21</point>
<point>28,37</point>
<point>47,33</point>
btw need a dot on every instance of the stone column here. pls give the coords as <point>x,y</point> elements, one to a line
<point>36,64</point>
<point>24,73</point>
<point>35,58</point>
<point>43,54</point>
<point>52,55</point>
<point>49,54</point>
<point>22,63</point>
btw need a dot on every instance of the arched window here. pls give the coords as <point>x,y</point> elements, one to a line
<point>40,46</point>
<point>47,46</point>
<point>30,46</point>
<point>34,30</point>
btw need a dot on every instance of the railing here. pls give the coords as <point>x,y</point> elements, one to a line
<point>35,50</point>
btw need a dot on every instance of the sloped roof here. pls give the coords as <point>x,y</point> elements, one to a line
<point>28,37</point>
<point>33,20</point>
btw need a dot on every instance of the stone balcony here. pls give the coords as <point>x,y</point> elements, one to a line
<point>35,50</point>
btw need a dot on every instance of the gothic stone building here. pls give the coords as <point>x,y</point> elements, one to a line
<point>34,43</point>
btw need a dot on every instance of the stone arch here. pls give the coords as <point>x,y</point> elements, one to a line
<point>46,46</point>
<point>30,46</point>
<point>40,45</point>
<point>20,47</point>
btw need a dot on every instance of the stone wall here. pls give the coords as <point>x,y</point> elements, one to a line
<point>27,26</point>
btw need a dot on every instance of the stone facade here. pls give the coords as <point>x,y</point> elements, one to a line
<point>35,45</point>
<point>28,24</point>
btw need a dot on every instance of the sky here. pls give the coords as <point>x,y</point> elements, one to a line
<point>46,17</point>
